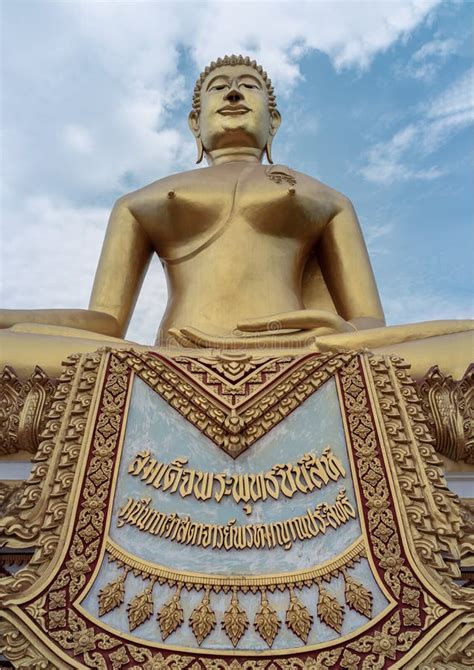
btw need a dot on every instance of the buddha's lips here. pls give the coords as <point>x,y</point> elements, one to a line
<point>228,110</point>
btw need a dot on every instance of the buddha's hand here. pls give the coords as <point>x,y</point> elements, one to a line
<point>318,321</point>
<point>287,329</point>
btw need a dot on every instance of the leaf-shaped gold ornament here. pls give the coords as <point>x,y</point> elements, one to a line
<point>235,621</point>
<point>140,609</point>
<point>266,621</point>
<point>298,618</point>
<point>170,617</point>
<point>112,595</point>
<point>202,619</point>
<point>329,610</point>
<point>358,597</point>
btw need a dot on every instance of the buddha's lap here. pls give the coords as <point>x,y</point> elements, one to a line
<point>448,344</point>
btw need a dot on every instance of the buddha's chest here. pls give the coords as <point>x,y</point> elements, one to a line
<point>196,205</point>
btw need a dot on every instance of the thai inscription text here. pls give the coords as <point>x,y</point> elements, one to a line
<point>309,473</point>
<point>181,529</point>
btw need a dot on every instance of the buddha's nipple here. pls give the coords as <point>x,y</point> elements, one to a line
<point>280,174</point>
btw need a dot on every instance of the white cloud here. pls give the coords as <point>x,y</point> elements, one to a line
<point>79,139</point>
<point>386,160</point>
<point>448,113</point>
<point>350,33</point>
<point>428,60</point>
<point>376,235</point>
<point>94,97</point>
<point>55,247</point>
<point>415,304</point>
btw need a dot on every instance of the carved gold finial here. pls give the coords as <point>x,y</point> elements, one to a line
<point>23,407</point>
<point>202,619</point>
<point>298,618</point>
<point>235,621</point>
<point>267,624</point>
<point>449,407</point>
<point>170,617</point>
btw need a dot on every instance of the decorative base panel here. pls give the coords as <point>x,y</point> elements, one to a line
<point>236,511</point>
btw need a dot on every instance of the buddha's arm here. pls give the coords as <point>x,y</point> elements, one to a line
<point>81,319</point>
<point>347,271</point>
<point>123,262</point>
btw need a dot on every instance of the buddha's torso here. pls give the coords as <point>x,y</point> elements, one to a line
<point>233,239</point>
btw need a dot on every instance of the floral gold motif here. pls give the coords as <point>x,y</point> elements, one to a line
<point>202,619</point>
<point>170,617</point>
<point>385,644</point>
<point>112,595</point>
<point>433,610</point>
<point>358,597</point>
<point>350,661</point>
<point>298,618</point>
<point>140,609</point>
<point>267,623</point>
<point>235,621</point>
<point>329,610</point>
<point>199,581</point>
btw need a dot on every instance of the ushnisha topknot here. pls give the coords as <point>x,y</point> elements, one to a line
<point>233,60</point>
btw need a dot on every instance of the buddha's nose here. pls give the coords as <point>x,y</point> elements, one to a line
<point>234,95</point>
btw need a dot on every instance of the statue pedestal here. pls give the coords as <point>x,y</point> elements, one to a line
<point>235,510</point>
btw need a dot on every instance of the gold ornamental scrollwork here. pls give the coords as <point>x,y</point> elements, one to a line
<point>433,509</point>
<point>24,405</point>
<point>449,408</point>
<point>36,520</point>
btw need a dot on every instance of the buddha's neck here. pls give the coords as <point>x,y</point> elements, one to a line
<point>232,154</point>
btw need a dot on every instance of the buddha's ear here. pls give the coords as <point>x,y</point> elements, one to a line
<point>275,120</point>
<point>193,122</point>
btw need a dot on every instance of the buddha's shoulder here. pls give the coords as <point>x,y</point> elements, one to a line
<point>156,189</point>
<point>322,191</point>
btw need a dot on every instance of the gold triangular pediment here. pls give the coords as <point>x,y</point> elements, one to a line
<point>234,399</point>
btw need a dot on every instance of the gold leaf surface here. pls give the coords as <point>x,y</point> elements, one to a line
<point>170,617</point>
<point>235,621</point>
<point>140,609</point>
<point>329,610</point>
<point>358,597</point>
<point>298,618</point>
<point>266,622</point>
<point>202,620</point>
<point>112,595</point>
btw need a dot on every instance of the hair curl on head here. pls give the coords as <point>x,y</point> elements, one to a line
<point>233,60</point>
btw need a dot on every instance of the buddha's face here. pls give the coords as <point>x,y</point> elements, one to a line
<point>234,110</point>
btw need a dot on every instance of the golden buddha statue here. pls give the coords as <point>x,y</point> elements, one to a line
<point>255,255</point>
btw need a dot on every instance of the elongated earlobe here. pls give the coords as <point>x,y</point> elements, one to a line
<point>268,150</point>
<point>200,149</point>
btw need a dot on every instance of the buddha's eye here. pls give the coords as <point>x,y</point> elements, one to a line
<point>218,87</point>
<point>250,85</point>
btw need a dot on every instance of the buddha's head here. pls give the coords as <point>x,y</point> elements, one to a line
<point>234,106</point>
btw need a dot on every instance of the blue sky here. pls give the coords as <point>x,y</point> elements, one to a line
<point>377,100</point>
